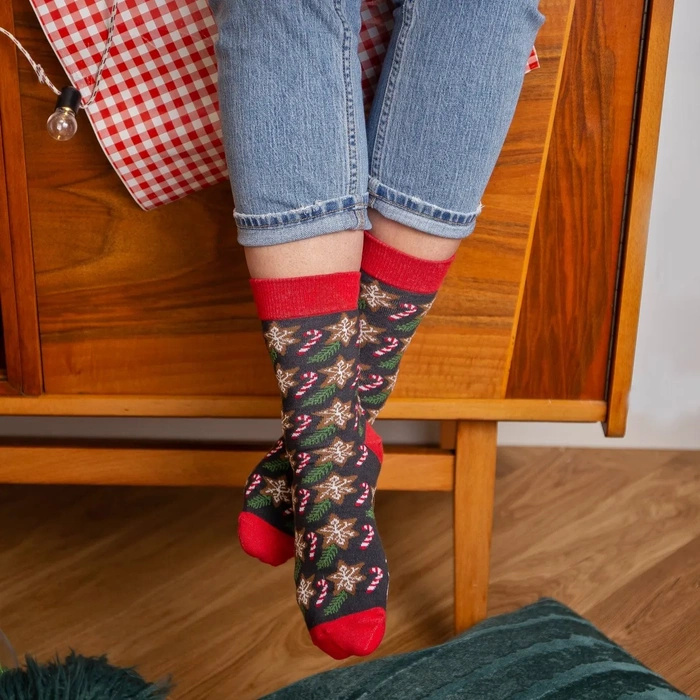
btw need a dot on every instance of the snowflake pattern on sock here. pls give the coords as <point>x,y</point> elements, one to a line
<point>332,473</point>
<point>387,321</point>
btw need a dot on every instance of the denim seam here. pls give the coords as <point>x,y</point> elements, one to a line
<point>407,16</point>
<point>470,220</point>
<point>349,102</point>
<point>469,216</point>
<point>358,206</point>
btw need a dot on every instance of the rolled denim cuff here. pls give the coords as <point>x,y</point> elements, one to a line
<point>423,216</point>
<point>340,214</point>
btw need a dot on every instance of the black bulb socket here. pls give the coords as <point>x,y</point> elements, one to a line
<point>69,98</point>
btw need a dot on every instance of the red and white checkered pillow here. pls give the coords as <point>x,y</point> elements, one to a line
<point>156,114</point>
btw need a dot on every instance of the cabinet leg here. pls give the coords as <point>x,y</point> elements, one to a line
<point>448,434</point>
<point>475,472</point>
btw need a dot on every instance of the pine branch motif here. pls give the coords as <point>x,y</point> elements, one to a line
<point>328,556</point>
<point>381,397</point>
<point>297,569</point>
<point>277,465</point>
<point>391,363</point>
<point>370,513</point>
<point>319,437</point>
<point>325,354</point>
<point>321,396</point>
<point>273,355</point>
<point>409,326</point>
<point>318,511</point>
<point>320,471</point>
<point>259,501</point>
<point>336,603</point>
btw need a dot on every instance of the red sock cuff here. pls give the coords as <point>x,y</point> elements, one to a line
<point>401,270</point>
<point>294,297</point>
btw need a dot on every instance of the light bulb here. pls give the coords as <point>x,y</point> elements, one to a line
<point>62,124</point>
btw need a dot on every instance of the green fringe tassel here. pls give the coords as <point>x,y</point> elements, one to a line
<point>78,678</point>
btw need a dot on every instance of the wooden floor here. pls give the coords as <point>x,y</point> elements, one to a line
<point>155,576</point>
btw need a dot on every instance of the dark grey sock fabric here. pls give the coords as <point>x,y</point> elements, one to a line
<point>340,568</point>
<point>388,320</point>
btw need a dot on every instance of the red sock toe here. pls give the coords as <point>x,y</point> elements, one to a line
<point>261,540</point>
<point>358,634</point>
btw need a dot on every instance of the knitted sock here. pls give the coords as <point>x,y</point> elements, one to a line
<point>340,569</point>
<point>397,291</point>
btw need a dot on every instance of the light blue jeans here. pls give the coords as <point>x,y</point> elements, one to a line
<point>302,160</point>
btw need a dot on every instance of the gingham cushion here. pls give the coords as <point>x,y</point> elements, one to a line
<point>156,114</point>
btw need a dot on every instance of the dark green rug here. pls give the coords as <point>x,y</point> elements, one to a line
<point>543,651</point>
<point>77,678</point>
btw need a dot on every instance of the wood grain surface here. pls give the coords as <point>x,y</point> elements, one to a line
<point>182,464</point>
<point>158,302</point>
<point>639,211</point>
<point>155,577</point>
<point>18,302</point>
<point>564,332</point>
<point>475,473</point>
<point>261,407</point>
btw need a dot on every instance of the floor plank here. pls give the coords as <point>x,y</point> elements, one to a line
<point>154,576</point>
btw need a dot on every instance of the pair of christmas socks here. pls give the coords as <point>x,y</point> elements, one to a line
<point>336,342</point>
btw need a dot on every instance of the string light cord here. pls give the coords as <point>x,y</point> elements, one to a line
<point>41,73</point>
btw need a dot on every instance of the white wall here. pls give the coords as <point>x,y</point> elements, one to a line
<point>665,399</point>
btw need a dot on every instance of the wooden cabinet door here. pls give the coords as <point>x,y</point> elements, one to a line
<point>158,303</point>
<point>20,360</point>
<point>565,327</point>
<point>101,298</point>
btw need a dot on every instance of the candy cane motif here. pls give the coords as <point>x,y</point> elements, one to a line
<point>409,310</point>
<point>304,458</point>
<point>360,501</point>
<point>305,495</point>
<point>277,448</point>
<point>378,576</point>
<point>309,379</point>
<point>391,345</point>
<point>303,422</point>
<point>359,411</point>
<point>255,482</point>
<point>368,537</point>
<point>363,456</point>
<point>375,381</point>
<point>323,585</point>
<point>357,377</point>
<point>311,536</point>
<point>313,336</point>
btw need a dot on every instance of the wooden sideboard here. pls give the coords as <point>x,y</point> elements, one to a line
<point>111,311</point>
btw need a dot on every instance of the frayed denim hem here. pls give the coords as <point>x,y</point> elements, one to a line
<point>341,214</point>
<point>418,214</point>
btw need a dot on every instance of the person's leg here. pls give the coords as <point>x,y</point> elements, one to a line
<point>291,106</point>
<point>295,139</point>
<point>336,458</point>
<point>446,96</point>
<point>292,118</point>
